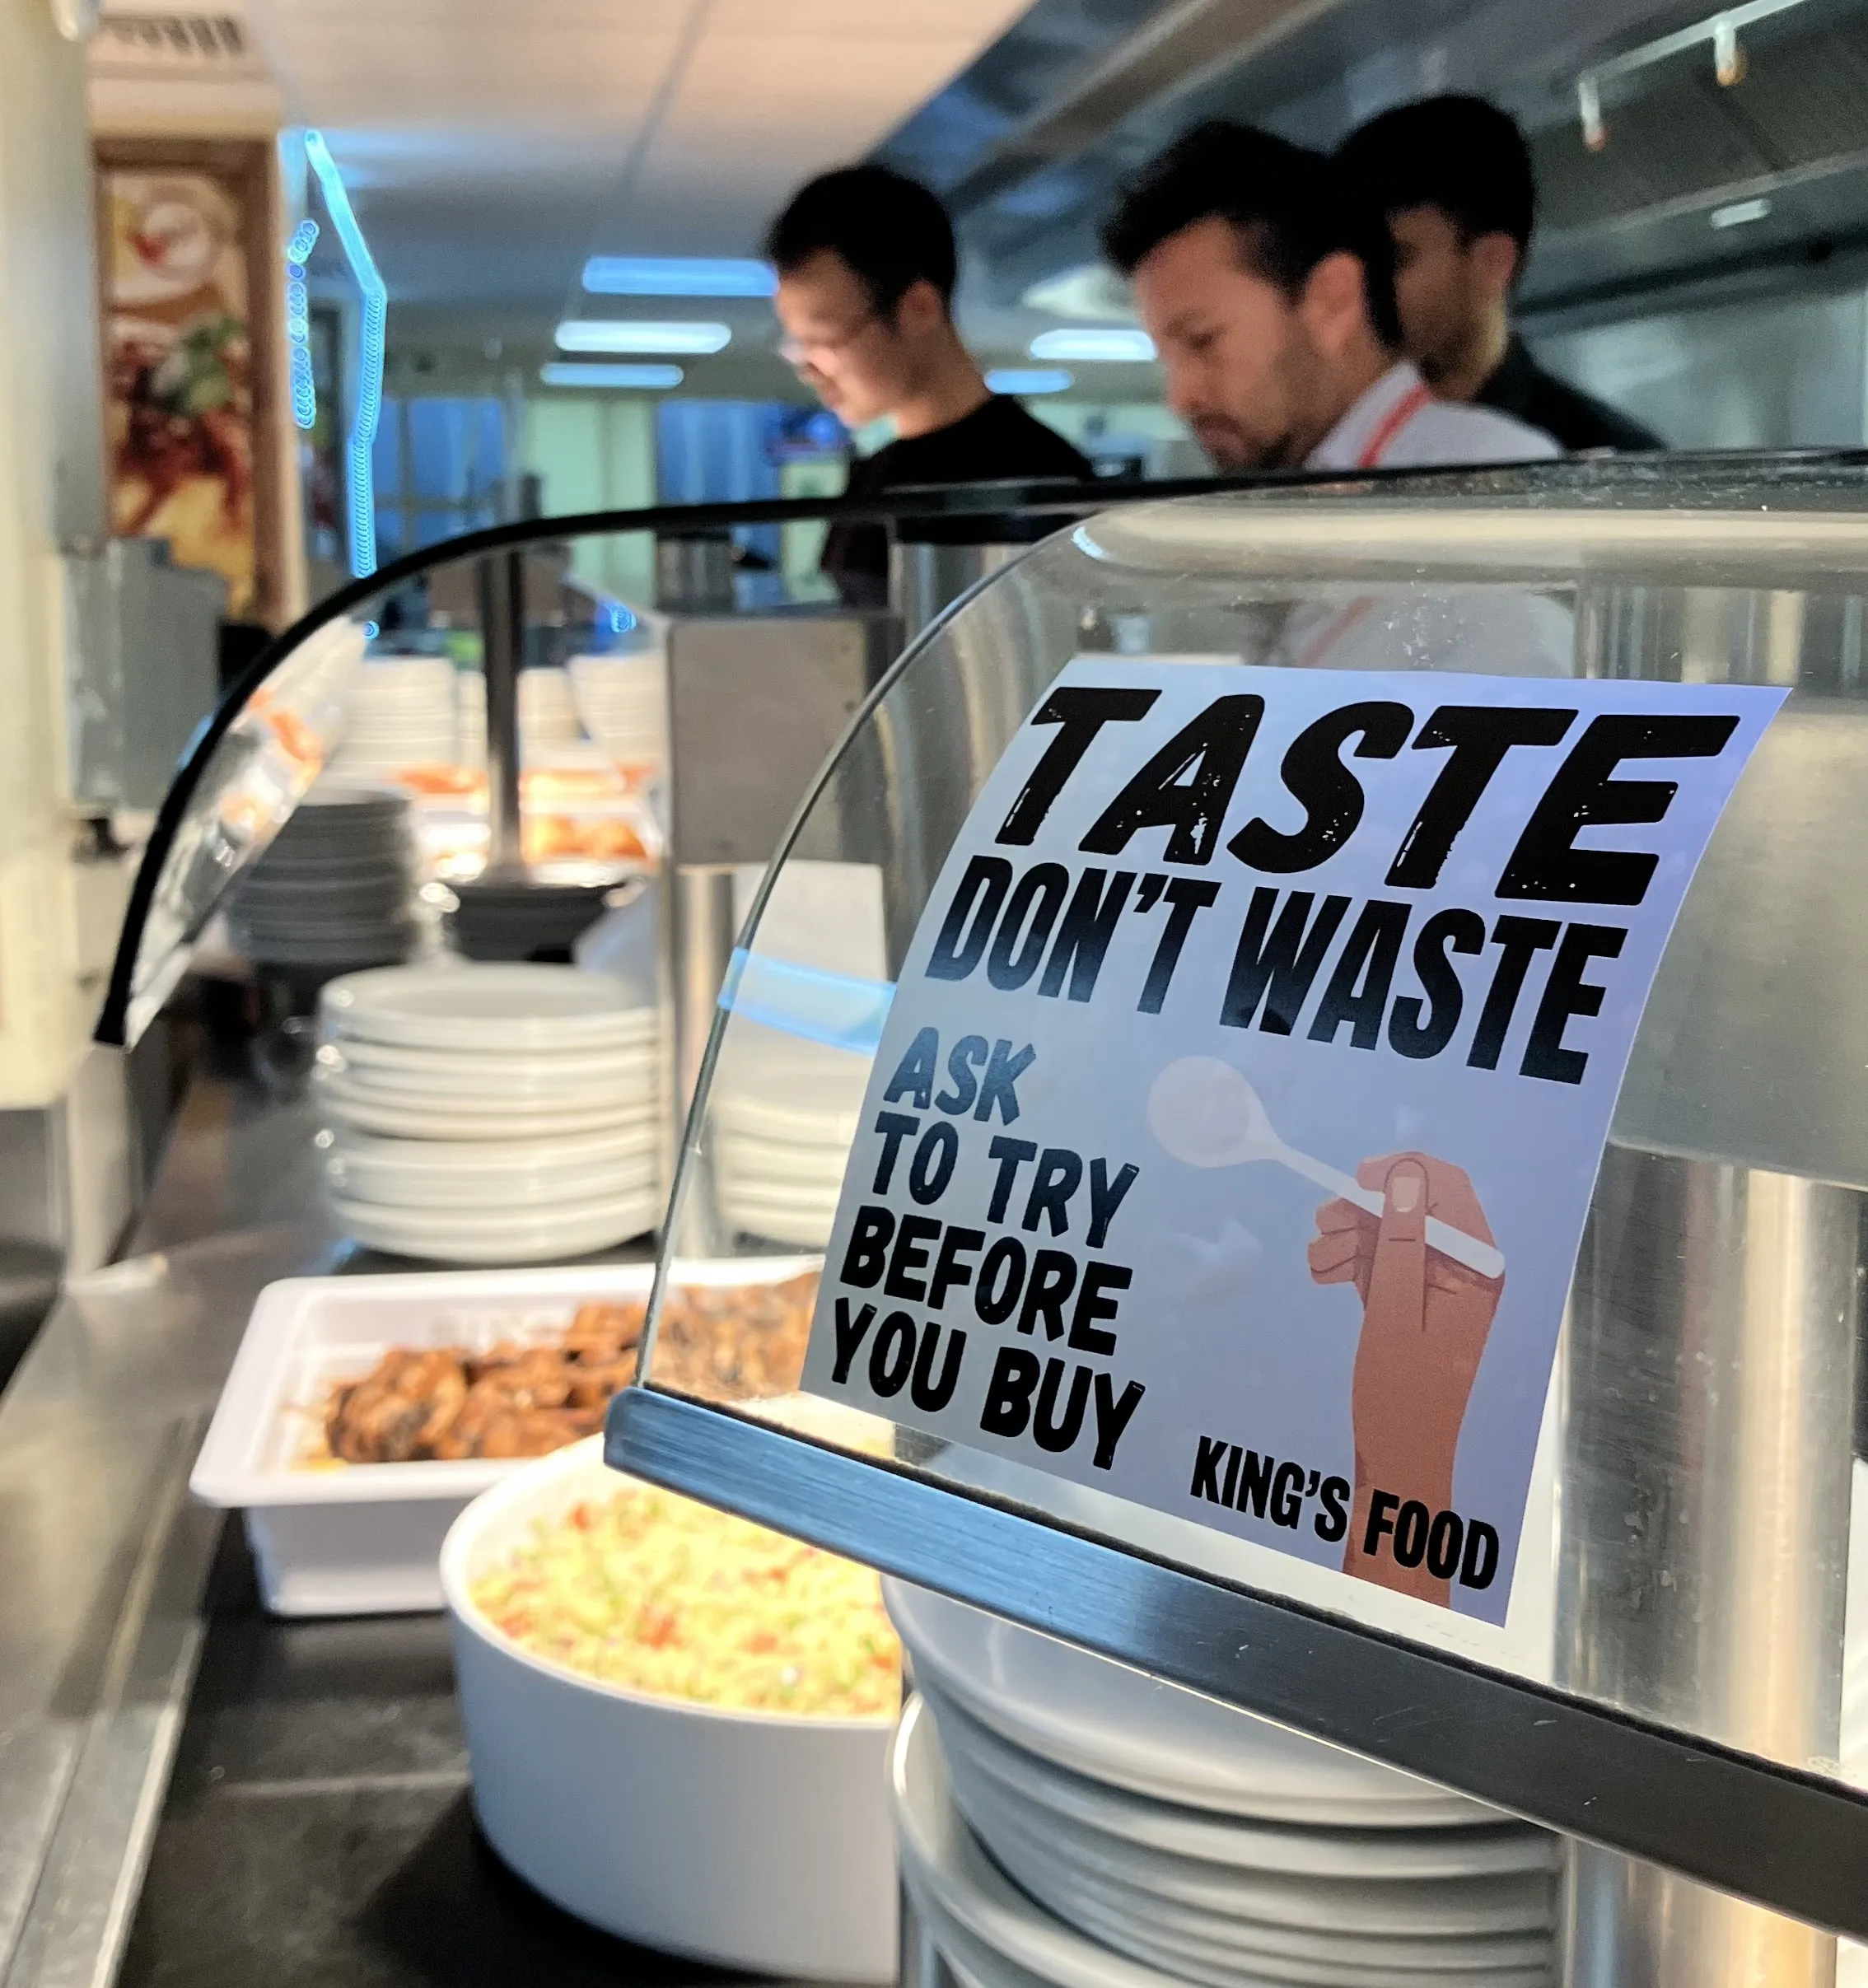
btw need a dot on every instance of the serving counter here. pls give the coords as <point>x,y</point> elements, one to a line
<point>1660,1671</point>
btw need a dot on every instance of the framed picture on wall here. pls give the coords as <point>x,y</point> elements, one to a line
<point>187,282</point>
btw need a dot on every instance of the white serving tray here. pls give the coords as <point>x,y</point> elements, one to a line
<point>366,1538</point>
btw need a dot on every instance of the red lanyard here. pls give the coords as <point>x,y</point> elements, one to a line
<point>1391,424</point>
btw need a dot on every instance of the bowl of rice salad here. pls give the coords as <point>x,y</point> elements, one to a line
<point>678,1721</point>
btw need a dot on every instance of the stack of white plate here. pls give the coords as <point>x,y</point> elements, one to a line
<point>503,1113</point>
<point>1151,1836</point>
<point>782,1114</point>
<point>620,698</point>
<point>548,712</point>
<point>401,713</point>
<point>335,886</point>
<point>470,718</point>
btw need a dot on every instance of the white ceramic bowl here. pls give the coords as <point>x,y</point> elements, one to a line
<point>746,1839</point>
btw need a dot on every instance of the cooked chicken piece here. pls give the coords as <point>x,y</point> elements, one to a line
<point>736,1342</point>
<point>398,1411</point>
<point>600,1333</point>
<point>478,1365</point>
<point>539,1378</point>
<point>538,1431</point>
<point>591,1386</point>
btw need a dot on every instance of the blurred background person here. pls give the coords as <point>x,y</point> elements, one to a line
<point>1452,175</point>
<point>866,267</point>
<point>1267,287</point>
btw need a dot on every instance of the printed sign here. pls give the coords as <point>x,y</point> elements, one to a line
<point>1233,1128</point>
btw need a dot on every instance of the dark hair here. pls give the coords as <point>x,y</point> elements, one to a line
<point>1287,205</point>
<point>1459,154</point>
<point>891,232</point>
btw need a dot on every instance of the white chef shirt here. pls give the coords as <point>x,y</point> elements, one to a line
<point>1503,631</point>
<point>1435,432</point>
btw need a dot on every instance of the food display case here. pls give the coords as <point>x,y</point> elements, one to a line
<point>1620,1741</point>
<point>1670,1672</point>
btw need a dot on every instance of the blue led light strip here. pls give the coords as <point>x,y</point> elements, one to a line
<point>360,496</point>
<point>298,325</point>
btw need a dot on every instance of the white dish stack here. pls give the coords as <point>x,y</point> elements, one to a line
<point>1063,1820</point>
<point>489,1113</point>
<point>335,886</point>
<point>547,713</point>
<point>470,718</point>
<point>783,1115</point>
<point>623,704</point>
<point>401,713</point>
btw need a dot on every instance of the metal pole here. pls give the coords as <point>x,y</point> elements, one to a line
<point>701,948</point>
<point>501,584</point>
<point>1704,1526</point>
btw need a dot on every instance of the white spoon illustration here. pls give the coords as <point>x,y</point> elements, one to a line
<point>1205,1113</point>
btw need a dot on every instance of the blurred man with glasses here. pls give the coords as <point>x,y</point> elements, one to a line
<point>866,266</point>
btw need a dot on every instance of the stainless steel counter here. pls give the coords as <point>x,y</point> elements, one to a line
<point>102,1555</point>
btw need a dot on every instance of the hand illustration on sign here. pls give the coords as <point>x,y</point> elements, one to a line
<point>1424,1321</point>
<point>1409,1233</point>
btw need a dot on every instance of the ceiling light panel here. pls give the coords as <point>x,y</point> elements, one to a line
<point>562,372</point>
<point>677,276</point>
<point>644,335</point>
<point>1093,344</point>
<point>1029,380</point>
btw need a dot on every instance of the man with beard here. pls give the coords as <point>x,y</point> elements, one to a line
<point>1268,286</point>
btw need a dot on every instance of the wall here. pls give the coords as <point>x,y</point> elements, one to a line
<point>51,491</point>
<point>1772,372</point>
<point>596,452</point>
<point>1145,428</point>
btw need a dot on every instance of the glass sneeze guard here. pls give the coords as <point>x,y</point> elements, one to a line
<point>1673,1678</point>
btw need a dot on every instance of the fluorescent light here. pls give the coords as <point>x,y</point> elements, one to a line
<point>1091,342</point>
<point>677,276</point>
<point>1027,380</point>
<point>360,491</point>
<point>559,372</point>
<point>1738,213</point>
<point>651,334</point>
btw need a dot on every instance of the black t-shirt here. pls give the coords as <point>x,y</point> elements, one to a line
<point>1522,389</point>
<point>998,441</point>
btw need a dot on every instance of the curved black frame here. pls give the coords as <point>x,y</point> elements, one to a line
<point>1069,500</point>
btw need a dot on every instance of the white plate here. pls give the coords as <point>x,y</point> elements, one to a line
<point>970,1901</point>
<point>760,1165</point>
<point>494,1082</point>
<point>773,1199</point>
<point>486,1006</point>
<point>368,1112</point>
<point>1342,1920</point>
<point>1118,1725</point>
<point>1091,1906</point>
<point>463,1158</point>
<point>764,1120</point>
<point>1374,1838</point>
<point>372,884</point>
<point>478,1238</point>
<point>493,1189</point>
<point>1386,1861</point>
<point>333,957</point>
<point>326,936</point>
<point>1521,1963</point>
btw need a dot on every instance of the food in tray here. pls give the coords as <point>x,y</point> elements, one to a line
<point>735,1341</point>
<point>445,1404</point>
<point>655,1594</point>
